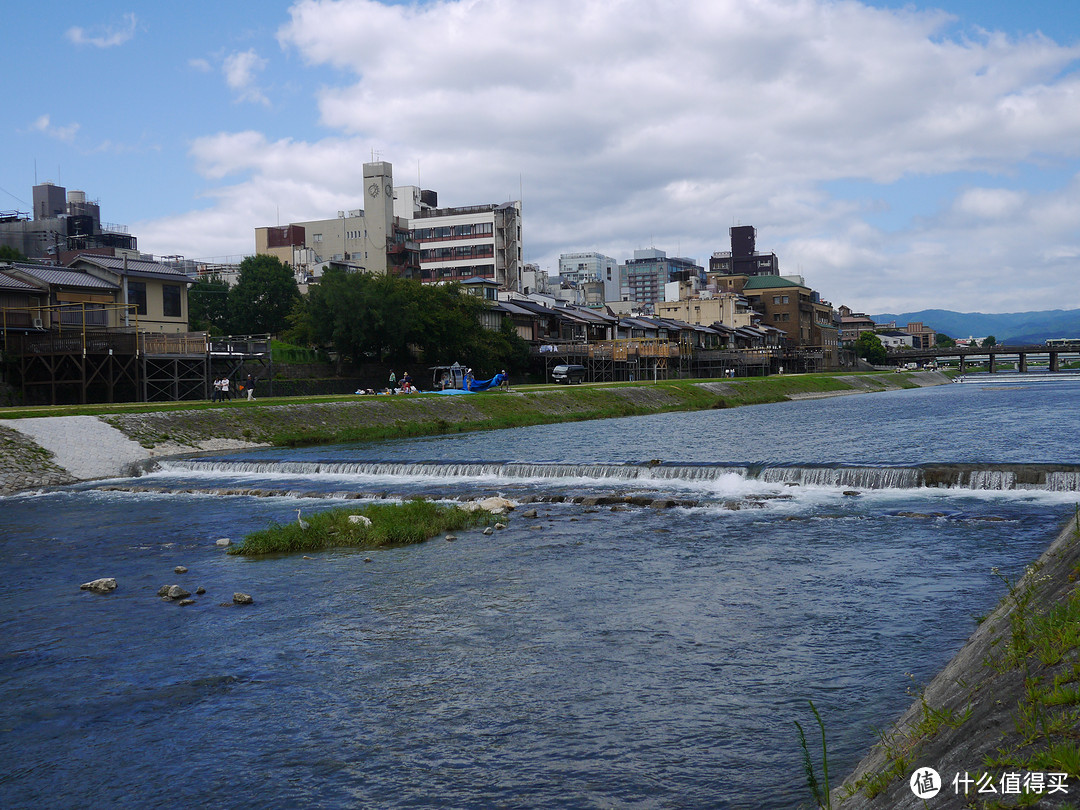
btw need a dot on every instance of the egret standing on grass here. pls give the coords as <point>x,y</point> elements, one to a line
<point>303,523</point>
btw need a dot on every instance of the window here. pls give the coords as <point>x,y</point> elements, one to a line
<point>318,237</point>
<point>170,300</point>
<point>137,296</point>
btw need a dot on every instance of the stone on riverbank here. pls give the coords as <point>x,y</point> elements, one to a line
<point>223,541</point>
<point>103,585</point>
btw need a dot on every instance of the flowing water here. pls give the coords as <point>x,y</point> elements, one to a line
<point>690,581</point>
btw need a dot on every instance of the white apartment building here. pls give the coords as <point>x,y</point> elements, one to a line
<point>577,268</point>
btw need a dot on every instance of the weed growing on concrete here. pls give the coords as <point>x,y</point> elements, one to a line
<point>820,796</point>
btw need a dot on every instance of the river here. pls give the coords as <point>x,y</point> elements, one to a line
<point>625,656</point>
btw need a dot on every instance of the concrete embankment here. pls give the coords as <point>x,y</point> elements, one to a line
<point>1007,703</point>
<point>46,451</point>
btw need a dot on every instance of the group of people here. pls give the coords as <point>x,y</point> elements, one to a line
<point>223,389</point>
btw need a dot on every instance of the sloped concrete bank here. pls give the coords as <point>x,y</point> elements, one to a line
<point>48,451</point>
<point>1007,703</point>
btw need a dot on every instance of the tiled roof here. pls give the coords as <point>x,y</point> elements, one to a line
<point>16,284</point>
<point>65,278</point>
<point>135,267</point>
<point>768,283</point>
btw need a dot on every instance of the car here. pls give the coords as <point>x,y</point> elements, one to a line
<point>568,374</point>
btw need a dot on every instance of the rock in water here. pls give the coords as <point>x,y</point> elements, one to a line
<point>242,599</point>
<point>176,592</point>
<point>224,541</point>
<point>103,585</point>
<point>180,570</point>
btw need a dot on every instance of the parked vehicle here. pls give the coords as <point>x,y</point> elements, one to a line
<point>568,374</point>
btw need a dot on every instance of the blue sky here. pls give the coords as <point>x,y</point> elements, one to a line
<point>899,156</point>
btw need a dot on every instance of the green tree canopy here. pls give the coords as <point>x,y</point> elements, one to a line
<point>10,254</point>
<point>944,341</point>
<point>264,295</point>
<point>870,348</point>
<point>393,320</point>
<point>208,305</point>
<point>989,341</point>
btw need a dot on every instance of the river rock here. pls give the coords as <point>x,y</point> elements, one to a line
<point>176,592</point>
<point>163,591</point>
<point>851,493</point>
<point>530,514</point>
<point>488,530</point>
<point>224,541</point>
<point>103,585</point>
<point>200,590</point>
<point>497,505</point>
<point>450,538</point>
<point>186,602</point>
<point>363,520</point>
<point>500,526</point>
<point>242,599</point>
<point>180,569</point>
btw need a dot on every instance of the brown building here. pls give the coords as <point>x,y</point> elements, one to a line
<point>788,304</point>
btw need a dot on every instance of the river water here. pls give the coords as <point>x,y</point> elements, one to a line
<point>625,656</point>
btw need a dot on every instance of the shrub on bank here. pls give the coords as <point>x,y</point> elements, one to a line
<point>391,524</point>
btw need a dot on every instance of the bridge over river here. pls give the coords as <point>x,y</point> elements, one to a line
<point>990,356</point>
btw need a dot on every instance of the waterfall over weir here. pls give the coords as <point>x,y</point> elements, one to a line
<point>1057,478</point>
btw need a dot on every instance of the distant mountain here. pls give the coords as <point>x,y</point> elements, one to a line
<point>1016,328</point>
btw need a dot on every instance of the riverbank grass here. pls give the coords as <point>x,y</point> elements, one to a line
<point>391,524</point>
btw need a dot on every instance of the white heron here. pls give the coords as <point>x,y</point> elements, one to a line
<point>303,523</point>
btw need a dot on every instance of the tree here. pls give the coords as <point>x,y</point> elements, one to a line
<point>208,305</point>
<point>870,348</point>
<point>393,320</point>
<point>10,254</point>
<point>989,341</point>
<point>264,295</point>
<point>944,341</point>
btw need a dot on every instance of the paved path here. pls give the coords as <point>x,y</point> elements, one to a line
<point>83,445</point>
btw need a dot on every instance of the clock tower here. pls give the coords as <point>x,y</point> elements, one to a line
<point>378,213</point>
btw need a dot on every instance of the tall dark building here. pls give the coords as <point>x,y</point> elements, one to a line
<point>743,259</point>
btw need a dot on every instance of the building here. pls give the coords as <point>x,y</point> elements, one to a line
<point>743,258</point>
<point>644,277</point>
<point>469,241</point>
<point>401,230</point>
<point>853,324</point>
<point>64,225</point>
<point>730,309</point>
<point>786,303</point>
<point>100,292</point>
<point>922,337</point>
<point>577,268</point>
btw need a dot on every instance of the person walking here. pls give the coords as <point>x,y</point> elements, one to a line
<point>250,385</point>
<point>393,380</point>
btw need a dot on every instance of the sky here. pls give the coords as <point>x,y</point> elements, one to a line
<point>899,156</point>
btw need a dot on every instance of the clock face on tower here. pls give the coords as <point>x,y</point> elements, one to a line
<point>389,189</point>
<point>373,189</point>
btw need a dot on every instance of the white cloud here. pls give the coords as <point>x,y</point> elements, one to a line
<point>636,122</point>
<point>44,124</point>
<point>104,36</point>
<point>240,70</point>
<point>199,64</point>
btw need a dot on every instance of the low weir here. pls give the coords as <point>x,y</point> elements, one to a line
<point>1047,477</point>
